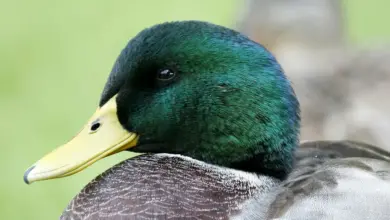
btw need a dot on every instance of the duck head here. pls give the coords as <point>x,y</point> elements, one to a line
<point>189,88</point>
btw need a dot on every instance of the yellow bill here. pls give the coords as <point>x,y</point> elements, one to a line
<point>103,135</point>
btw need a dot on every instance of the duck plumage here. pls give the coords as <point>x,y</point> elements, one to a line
<point>328,182</point>
<point>218,123</point>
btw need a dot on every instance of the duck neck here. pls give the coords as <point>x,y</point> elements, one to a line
<point>271,157</point>
<point>271,163</point>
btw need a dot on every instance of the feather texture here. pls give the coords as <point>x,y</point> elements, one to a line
<point>331,180</point>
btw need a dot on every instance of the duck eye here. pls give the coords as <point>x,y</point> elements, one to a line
<point>165,74</point>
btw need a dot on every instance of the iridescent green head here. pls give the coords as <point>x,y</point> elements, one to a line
<point>203,91</point>
<point>207,92</point>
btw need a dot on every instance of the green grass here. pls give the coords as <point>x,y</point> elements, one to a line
<point>368,21</point>
<point>55,57</point>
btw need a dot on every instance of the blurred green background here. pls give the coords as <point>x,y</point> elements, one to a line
<point>54,60</point>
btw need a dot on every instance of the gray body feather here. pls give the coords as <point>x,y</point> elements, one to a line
<point>331,180</point>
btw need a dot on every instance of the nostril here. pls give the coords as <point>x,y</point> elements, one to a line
<point>95,126</point>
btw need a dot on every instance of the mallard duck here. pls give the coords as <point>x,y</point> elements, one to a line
<point>218,124</point>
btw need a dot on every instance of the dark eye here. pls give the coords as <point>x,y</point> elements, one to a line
<point>165,74</point>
